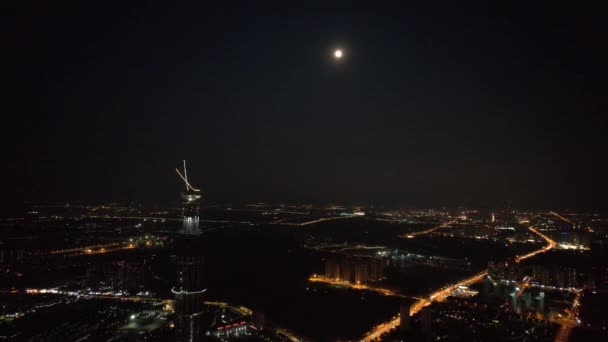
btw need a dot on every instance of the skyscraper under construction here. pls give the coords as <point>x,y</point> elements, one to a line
<point>189,287</point>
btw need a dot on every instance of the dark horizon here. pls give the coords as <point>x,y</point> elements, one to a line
<point>431,106</point>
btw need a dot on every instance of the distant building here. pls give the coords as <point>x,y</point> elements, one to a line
<point>354,269</point>
<point>332,269</point>
<point>555,276</point>
<point>94,275</point>
<point>497,270</point>
<point>504,270</point>
<point>231,330</point>
<point>404,317</point>
<point>126,276</point>
<point>514,303</point>
<point>541,302</point>
<point>464,292</point>
<point>426,320</point>
<point>571,277</point>
<point>258,320</point>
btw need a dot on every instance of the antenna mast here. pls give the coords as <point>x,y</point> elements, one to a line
<point>186,176</point>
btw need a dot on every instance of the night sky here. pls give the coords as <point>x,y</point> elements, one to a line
<point>432,105</point>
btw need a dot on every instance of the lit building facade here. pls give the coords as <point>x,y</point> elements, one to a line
<point>354,269</point>
<point>189,287</point>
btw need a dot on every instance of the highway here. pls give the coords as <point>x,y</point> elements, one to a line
<point>289,335</point>
<point>438,295</point>
<point>323,219</point>
<point>430,230</point>
<point>561,217</point>
<point>94,249</point>
<point>550,245</point>
<point>443,293</point>
<point>569,322</point>
<point>386,292</point>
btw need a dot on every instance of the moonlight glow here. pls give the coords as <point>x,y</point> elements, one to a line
<point>338,54</point>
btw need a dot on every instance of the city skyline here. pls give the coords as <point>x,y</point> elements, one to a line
<point>272,171</point>
<point>534,269</point>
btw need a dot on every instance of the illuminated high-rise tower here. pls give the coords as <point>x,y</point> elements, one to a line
<point>189,287</point>
<point>191,206</point>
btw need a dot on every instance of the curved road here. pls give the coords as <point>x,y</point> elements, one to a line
<point>442,294</point>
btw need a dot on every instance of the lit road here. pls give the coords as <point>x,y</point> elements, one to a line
<point>342,247</point>
<point>94,249</point>
<point>563,334</point>
<point>414,234</point>
<point>358,247</point>
<point>323,219</point>
<point>561,217</point>
<point>551,244</point>
<point>438,295</point>
<point>240,309</point>
<point>523,286</point>
<point>567,323</point>
<point>290,336</point>
<point>443,293</point>
<point>386,292</point>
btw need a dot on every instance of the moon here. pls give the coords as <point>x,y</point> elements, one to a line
<point>338,54</point>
